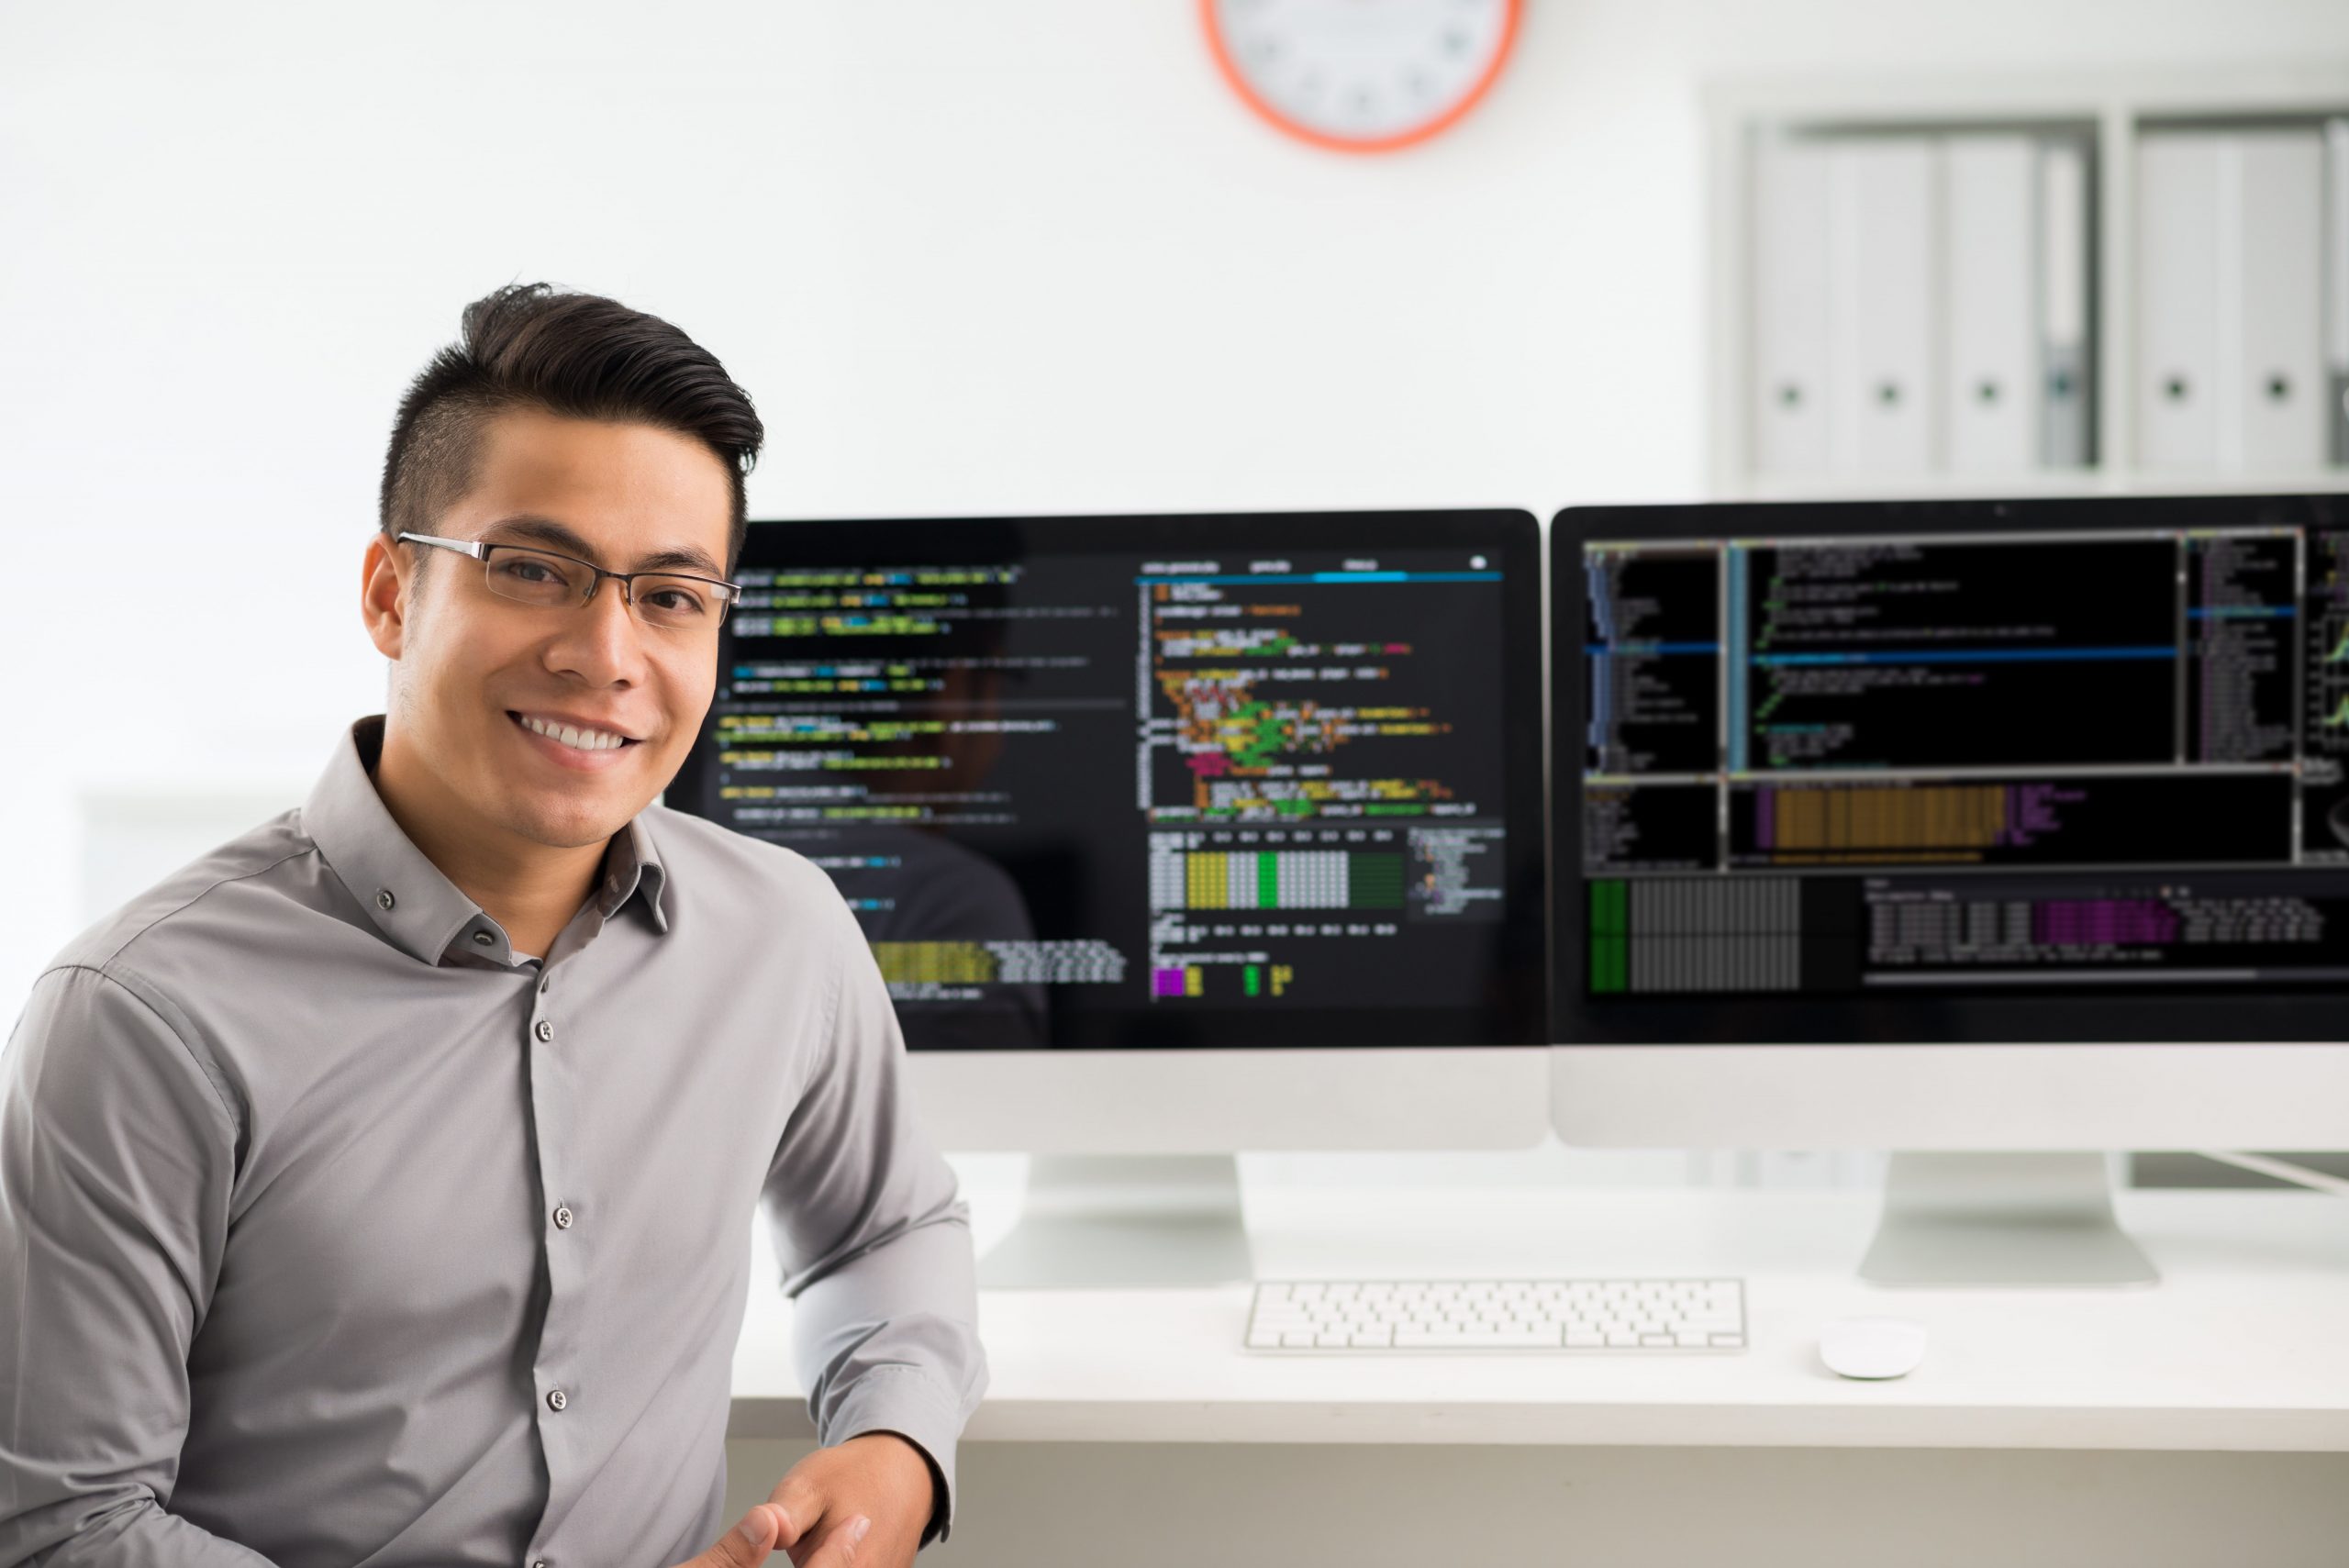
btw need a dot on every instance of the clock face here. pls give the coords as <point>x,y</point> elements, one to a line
<point>1362,75</point>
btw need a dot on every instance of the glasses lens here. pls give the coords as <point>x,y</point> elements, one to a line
<point>535,578</point>
<point>685,602</point>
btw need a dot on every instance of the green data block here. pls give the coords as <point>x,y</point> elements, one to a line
<point>1375,882</point>
<point>1611,923</point>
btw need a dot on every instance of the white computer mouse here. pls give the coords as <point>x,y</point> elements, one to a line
<point>1872,1347</point>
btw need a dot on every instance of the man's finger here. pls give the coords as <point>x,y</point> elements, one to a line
<point>744,1546</point>
<point>798,1508</point>
<point>839,1546</point>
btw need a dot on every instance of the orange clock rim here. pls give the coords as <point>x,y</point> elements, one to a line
<point>1417,134</point>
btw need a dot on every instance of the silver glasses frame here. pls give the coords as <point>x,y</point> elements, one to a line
<point>727,593</point>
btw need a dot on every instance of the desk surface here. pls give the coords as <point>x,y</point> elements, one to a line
<point>2244,1346</point>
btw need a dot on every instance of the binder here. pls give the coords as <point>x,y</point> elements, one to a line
<point>2274,418</point>
<point>1789,400</point>
<point>2065,366</point>
<point>2336,281</point>
<point>1991,346</point>
<point>2180,234</point>
<point>1886,236</point>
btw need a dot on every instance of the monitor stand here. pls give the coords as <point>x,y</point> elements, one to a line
<point>1118,1222</point>
<point>2018,1219</point>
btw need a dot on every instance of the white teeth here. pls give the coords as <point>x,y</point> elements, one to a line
<point>579,740</point>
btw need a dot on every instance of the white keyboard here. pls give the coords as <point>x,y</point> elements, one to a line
<point>1672,1315</point>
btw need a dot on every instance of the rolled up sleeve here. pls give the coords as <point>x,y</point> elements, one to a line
<point>117,1154</point>
<point>874,1240</point>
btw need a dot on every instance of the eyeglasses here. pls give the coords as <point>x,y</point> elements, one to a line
<point>673,601</point>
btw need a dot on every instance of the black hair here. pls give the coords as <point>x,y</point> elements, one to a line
<point>580,356</point>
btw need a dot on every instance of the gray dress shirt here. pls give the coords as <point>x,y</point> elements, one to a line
<point>333,1232</point>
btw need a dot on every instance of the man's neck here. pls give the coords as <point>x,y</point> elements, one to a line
<point>531,890</point>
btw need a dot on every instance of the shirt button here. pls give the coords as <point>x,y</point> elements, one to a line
<point>563,1219</point>
<point>384,899</point>
<point>556,1400</point>
<point>483,938</point>
<point>546,1031</point>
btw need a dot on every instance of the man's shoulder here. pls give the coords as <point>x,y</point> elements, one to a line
<point>702,855</point>
<point>238,871</point>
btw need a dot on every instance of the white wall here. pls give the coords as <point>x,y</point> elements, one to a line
<point>1026,254</point>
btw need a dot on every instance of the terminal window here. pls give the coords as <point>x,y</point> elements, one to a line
<point>1101,782</point>
<point>2083,763</point>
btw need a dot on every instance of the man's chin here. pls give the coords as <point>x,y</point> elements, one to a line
<point>567,826</point>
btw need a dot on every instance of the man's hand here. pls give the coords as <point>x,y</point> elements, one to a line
<point>748,1543</point>
<point>879,1476</point>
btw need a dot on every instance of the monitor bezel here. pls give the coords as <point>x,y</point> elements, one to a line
<point>1515,1012</point>
<point>2104,1017</point>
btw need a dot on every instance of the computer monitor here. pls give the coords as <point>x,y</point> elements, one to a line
<point>1955,826</point>
<point>1174,837</point>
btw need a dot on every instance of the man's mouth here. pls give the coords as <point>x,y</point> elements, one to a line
<point>578,737</point>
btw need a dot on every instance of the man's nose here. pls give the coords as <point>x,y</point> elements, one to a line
<point>604,644</point>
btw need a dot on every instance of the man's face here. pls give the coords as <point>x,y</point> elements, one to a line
<point>478,678</point>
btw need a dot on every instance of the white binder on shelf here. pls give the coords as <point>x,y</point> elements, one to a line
<point>2273,419</point>
<point>2337,290</point>
<point>2065,366</point>
<point>1991,346</point>
<point>1789,399</point>
<point>1886,242</point>
<point>2180,236</point>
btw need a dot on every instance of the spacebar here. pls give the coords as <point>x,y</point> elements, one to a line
<point>1468,1339</point>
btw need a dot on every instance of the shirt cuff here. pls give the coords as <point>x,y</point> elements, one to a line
<point>910,1403</point>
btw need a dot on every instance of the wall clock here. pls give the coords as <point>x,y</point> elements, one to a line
<point>1360,75</point>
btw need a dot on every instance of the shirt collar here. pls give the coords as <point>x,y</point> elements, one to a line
<point>633,866</point>
<point>416,909</point>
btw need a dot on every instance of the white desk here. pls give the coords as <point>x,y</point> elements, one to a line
<point>2203,1415</point>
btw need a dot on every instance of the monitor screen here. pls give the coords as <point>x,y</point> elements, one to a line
<point>2050,770</point>
<point>1104,782</point>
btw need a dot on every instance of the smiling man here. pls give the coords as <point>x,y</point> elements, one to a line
<point>377,1188</point>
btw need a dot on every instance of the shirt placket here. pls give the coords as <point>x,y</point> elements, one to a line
<point>563,1393</point>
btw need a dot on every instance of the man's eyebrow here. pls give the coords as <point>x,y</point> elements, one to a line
<point>560,536</point>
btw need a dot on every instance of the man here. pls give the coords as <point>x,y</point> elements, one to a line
<point>376,1189</point>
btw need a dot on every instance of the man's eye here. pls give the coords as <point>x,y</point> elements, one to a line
<point>675,602</point>
<point>529,571</point>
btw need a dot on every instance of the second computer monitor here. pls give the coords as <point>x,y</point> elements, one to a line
<point>2063,785</point>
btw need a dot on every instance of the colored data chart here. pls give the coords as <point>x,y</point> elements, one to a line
<point>1276,879</point>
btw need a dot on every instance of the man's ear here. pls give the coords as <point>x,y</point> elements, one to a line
<point>383,597</point>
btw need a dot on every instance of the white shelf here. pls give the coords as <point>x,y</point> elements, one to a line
<point>2117,105</point>
<point>2028,485</point>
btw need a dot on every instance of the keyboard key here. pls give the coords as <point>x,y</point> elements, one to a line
<point>1519,1339</point>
